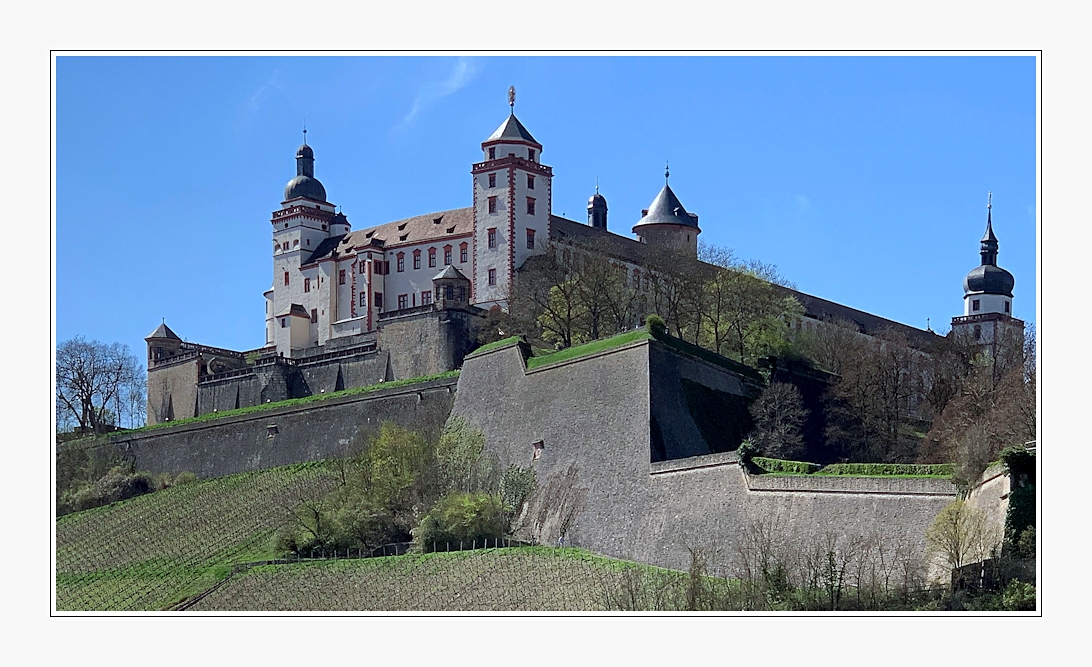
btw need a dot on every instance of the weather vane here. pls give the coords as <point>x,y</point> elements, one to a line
<point>667,171</point>
<point>989,199</point>
<point>512,98</point>
<point>304,133</point>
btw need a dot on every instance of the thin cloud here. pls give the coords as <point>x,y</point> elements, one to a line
<point>254,104</point>
<point>433,91</point>
<point>802,202</point>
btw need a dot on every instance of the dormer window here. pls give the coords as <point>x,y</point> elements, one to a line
<point>401,226</point>
<point>450,230</point>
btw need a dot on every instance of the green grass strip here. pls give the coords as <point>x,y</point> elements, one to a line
<point>588,348</point>
<point>905,470</point>
<point>287,403</point>
<point>496,344</point>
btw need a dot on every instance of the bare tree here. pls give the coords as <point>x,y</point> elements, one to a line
<point>779,417</point>
<point>99,384</point>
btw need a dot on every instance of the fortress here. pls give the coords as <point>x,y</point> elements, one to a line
<point>403,299</point>
<point>651,471</point>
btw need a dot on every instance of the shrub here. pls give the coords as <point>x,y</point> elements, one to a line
<point>1018,596</point>
<point>462,517</point>
<point>655,325</point>
<point>120,483</point>
<point>1020,516</point>
<point>516,486</point>
<point>746,451</point>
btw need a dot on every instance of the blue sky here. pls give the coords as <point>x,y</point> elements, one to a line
<point>863,179</point>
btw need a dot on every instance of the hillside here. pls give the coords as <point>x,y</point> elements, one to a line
<point>165,549</point>
<point>154,550</point>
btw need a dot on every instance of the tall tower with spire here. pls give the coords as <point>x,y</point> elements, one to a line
<point>304,221</point>
<point>987,298</point>
<point>666,224</point>
<point>512,204</point>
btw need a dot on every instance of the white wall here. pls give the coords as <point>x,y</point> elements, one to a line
<point>988,303</point>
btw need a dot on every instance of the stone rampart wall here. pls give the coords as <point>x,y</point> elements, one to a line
<point>305,432</point>
<point>593,417</point>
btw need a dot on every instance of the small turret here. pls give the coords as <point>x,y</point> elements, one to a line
<point>597,210</point>
<point>667,224</point>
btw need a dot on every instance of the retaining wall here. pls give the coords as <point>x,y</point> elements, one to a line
<point>305,432</point>
<point>593,417</point>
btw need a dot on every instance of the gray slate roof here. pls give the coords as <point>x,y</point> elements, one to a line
<point>451,273</point>
<point>629,250</point>
<point>511,128</point>
<point>163,331</point>
<point>666,209</point>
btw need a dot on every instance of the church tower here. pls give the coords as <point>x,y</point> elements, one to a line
<point>512,190</point>
<point>987,299</point>
<point>304,221</point>
<point>666,224</point>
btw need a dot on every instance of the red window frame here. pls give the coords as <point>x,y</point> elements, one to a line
<point>492,180</point>
<point>491,235</point>
<point>286,278</point>
<point>401,262</point>
<point>447,255</point>
<point>432,258</point>
<point>492,204</point>
<point>416,259</point>
<point>462,253</point>
<point>530,181</point>
<point>530,206</point>
<point>530,239</point>
<point>403,301</point>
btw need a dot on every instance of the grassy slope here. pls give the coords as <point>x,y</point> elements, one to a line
<point>154,551</point>
<point>149,552</point>
<point>517,579</point>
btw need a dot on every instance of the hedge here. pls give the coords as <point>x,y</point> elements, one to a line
<point>855,469</point>
<point>884,469</point>
<point>780,465</point>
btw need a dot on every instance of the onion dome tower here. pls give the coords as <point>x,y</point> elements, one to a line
<point>597,209</point>
<point>987,297</point>
<point>988,287</point>
<point>305,184</point>
<point>667,224</point>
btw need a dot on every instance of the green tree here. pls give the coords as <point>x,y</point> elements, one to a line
<point>961,535</point>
